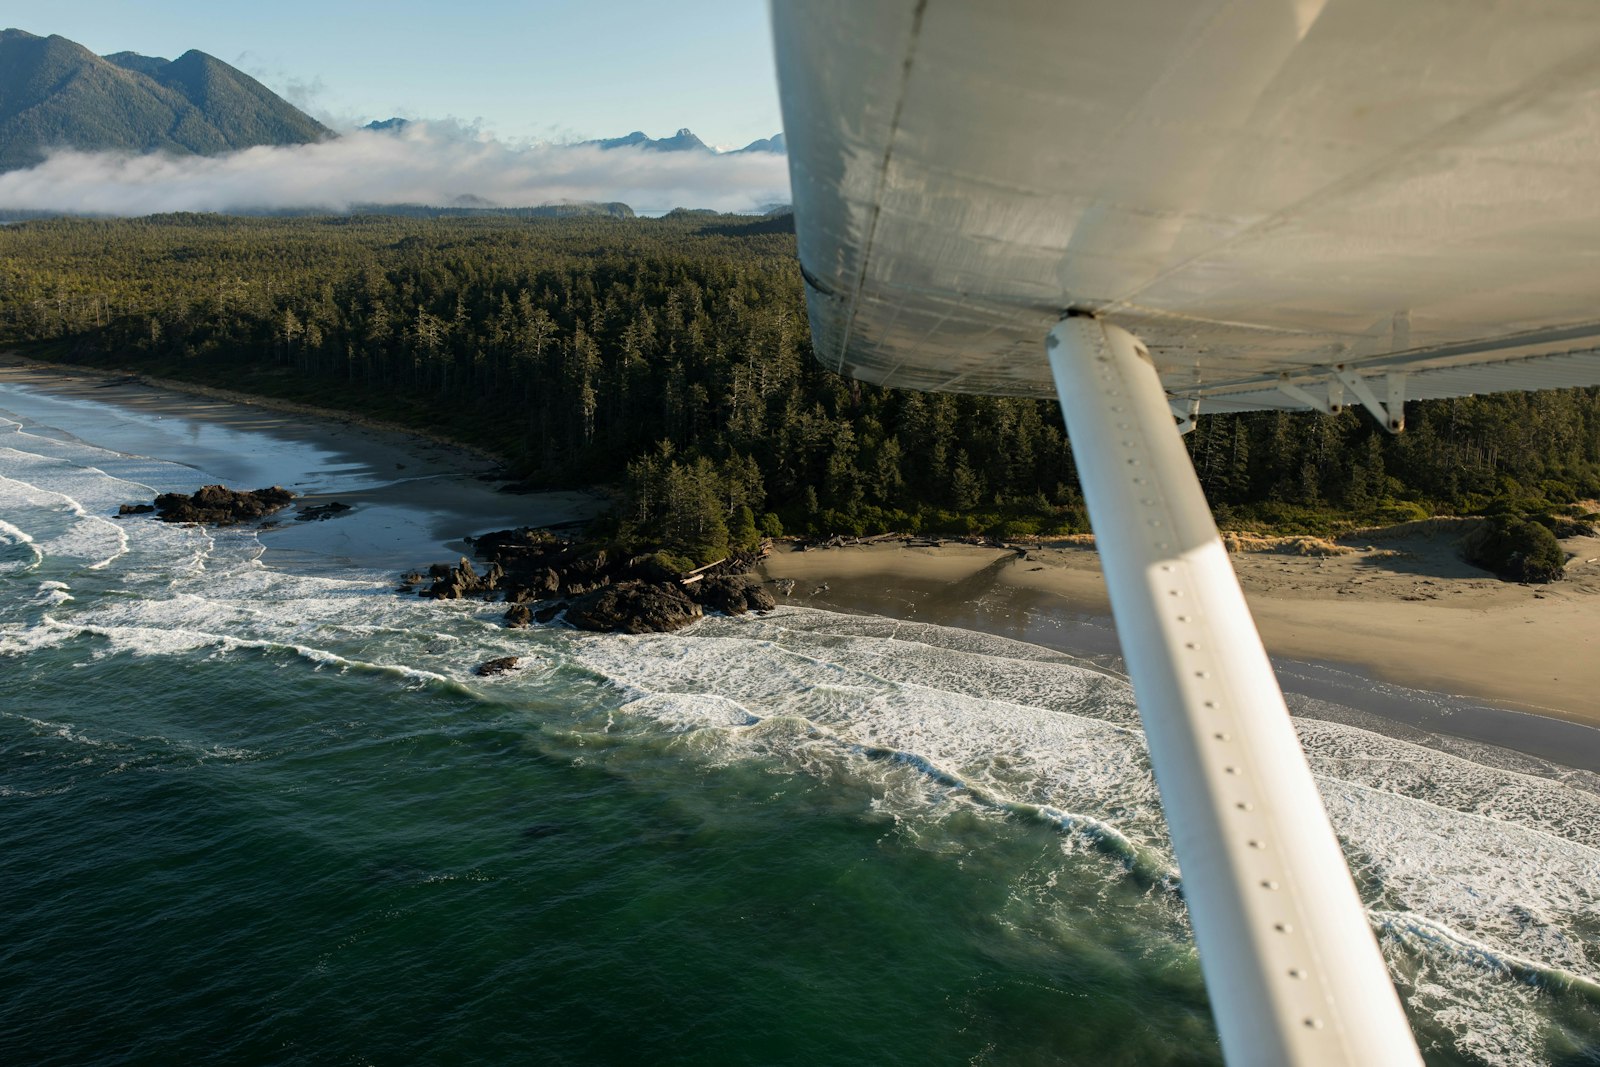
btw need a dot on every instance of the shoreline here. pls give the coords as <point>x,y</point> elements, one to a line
<point>1407,613</point>
<point>1401,609</point>
<point>412,497</point>
<point>11,362</point>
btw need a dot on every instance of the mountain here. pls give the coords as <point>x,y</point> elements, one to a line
<point>682,141</point>
<point>685,141</point>
<point>775,144</point>
<point>55,93</point>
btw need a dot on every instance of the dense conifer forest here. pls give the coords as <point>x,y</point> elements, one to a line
<point>670,357</point>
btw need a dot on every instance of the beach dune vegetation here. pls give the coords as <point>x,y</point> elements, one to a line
<point>1516,548</point>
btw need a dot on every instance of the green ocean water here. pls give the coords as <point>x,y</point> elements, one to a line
<point>371,873</point>
<point>265,815</point>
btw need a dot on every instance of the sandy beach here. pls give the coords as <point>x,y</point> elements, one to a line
<point>1400,604</point>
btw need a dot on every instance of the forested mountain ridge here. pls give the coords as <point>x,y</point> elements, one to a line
<point>672,356</point>
<point>55,93</point>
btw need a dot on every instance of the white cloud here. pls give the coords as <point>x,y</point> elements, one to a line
<point>427,163</point>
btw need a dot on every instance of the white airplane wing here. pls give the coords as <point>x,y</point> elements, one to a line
<point>1254,188</point>
<point>1143,205</point>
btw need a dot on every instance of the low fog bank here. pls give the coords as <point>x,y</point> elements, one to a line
<point>425,163</point>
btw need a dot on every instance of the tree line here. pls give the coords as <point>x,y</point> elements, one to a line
<point>671,357</point>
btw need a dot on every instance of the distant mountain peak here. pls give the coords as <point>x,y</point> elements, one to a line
<point>682,141</point>
<point>775,144</point>
<point>686,141</point>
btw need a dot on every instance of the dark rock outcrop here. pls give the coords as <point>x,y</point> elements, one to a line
<point>218,505</point>
<point>600,586</point>
<point>492,667</point>
<point>319,512</point>
<point>634,608</point>
<point>511,545</point>
<point>463,580</point>
<point>732,594</point>
<point>135,509</point>
<point>519,615</point>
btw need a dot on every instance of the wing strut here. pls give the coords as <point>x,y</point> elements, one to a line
<point>1291,965</point>
<point>1390,412</point>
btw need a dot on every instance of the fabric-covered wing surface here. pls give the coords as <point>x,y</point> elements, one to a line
<point>1254,188</point>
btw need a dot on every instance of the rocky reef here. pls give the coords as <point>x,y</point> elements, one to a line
<point>214,505</point>
<point>598,587</point>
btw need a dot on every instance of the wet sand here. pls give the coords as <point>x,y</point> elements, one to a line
<point>1399,614</point>
<point>413,498</point>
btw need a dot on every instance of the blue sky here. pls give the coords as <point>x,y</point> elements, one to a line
<point>545,69</point>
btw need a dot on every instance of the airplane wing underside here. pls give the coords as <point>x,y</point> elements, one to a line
<point>1254,189</point>
<point>1243,204</point>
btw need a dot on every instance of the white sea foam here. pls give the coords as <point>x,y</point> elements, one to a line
<point>145,641</point>
<point>18,553</point>
<point>21,638</point>
<point>690,713</point>
<point>51,594</point>
<point>66,492</point>
<point>1486,882</point>
<point>855,699</point>
<point>10,535</point>
<point>58,524</point>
